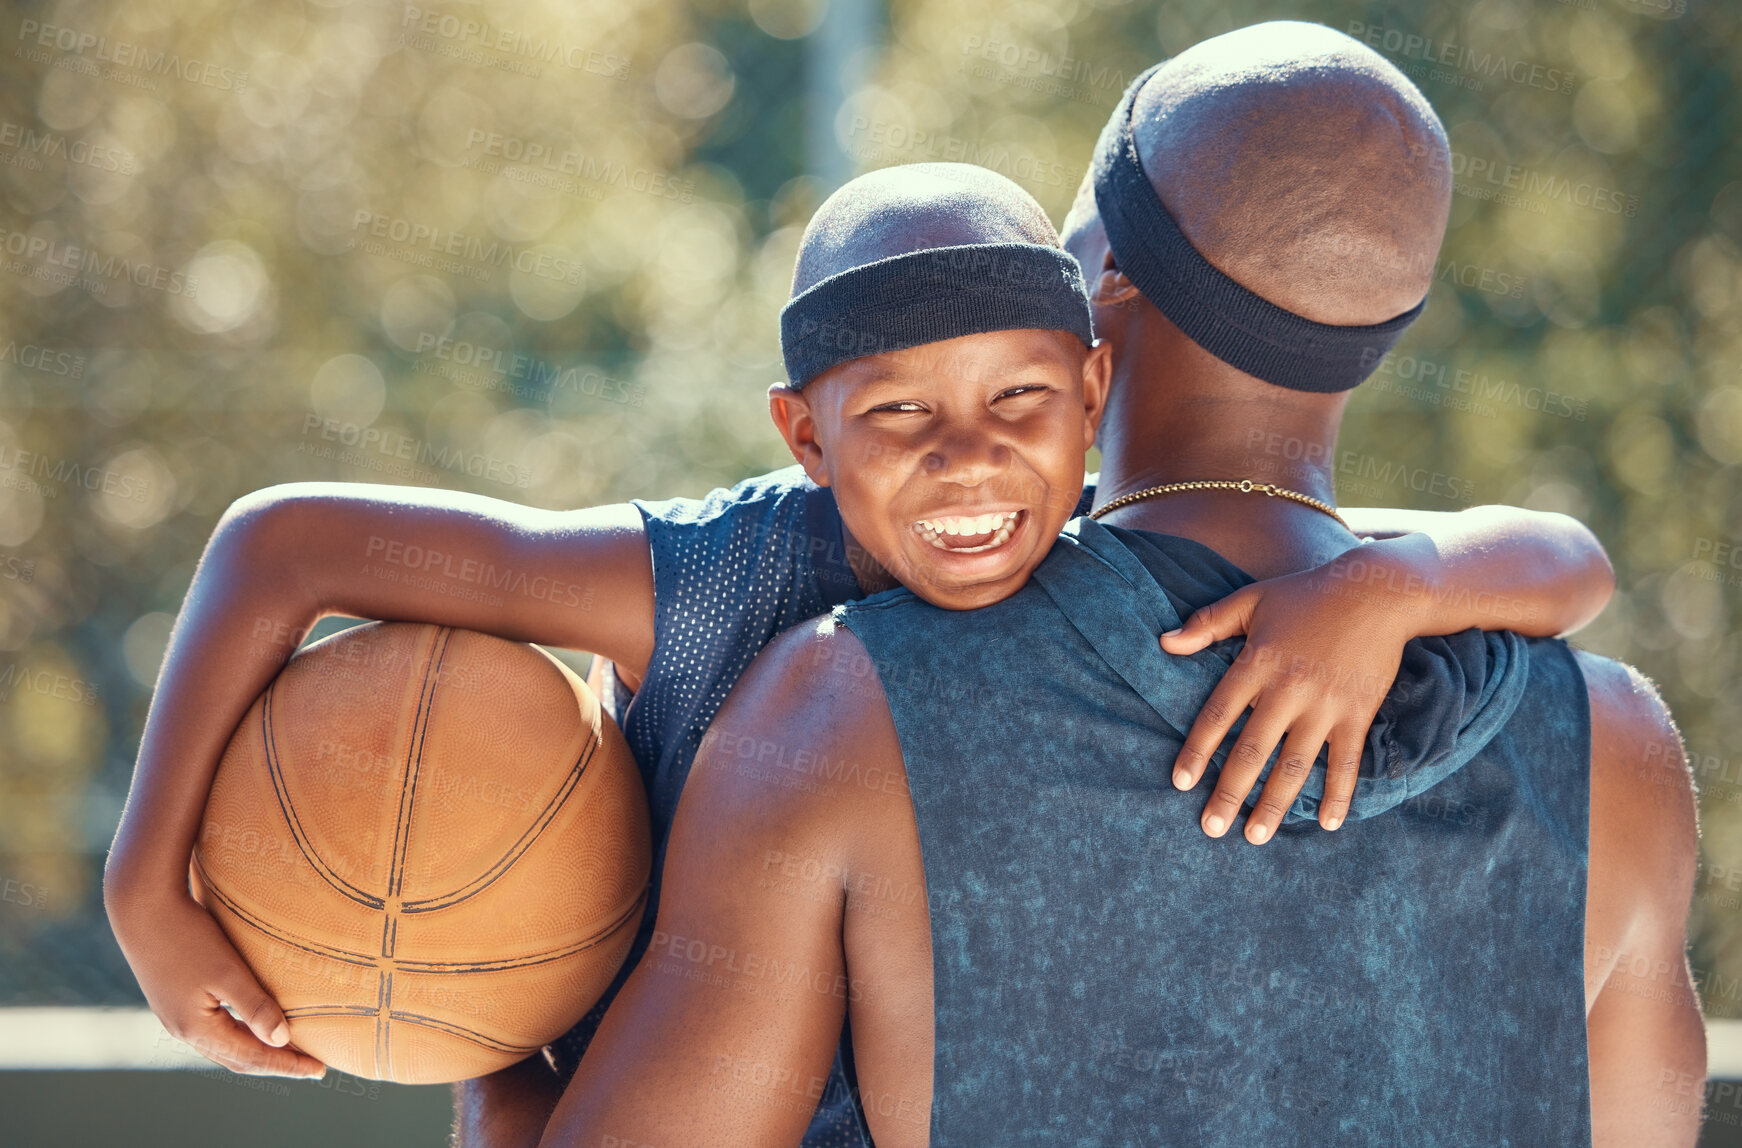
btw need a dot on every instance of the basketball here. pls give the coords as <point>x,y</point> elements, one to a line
<point>431,846</point>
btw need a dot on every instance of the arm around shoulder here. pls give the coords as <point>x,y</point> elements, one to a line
<point>1489,567</point>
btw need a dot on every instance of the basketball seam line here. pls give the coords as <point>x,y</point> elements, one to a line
<point>402,836</point>
<point>325,872</point>
<point>414,762</point>
<point>367,961</point>
<point>516,851</point>
<point>458,1030</point>
<point>312,947</point>
<point>294,823</point>
<point>413,1018</point>
<point>384,996</point>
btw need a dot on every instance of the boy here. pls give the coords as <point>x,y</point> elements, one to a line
<point>959,501</point>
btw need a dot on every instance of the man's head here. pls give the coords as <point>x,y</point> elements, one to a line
<point>940,382</point>
<point>1302,166</point>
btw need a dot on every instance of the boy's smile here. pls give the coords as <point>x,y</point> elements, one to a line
<point>954,463</point>
<point>964,534</point>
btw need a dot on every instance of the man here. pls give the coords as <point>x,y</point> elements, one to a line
<point>1064,974</point>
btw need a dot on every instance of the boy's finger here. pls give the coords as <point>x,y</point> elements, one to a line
<point>1245,761</point>
<point>1284,784</point>
<point>232,991</point>
<point>255,1009</point>
<point>275,1062</point>
<point>1343,771</point>
<point>223,1040</point>
<point>1212,623</point>
<point>1221,710</point>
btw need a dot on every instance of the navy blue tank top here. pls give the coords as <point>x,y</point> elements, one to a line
<point>1106,974</point>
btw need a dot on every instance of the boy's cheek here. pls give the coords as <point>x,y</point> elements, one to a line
<point>877,465</point>
<point>864,504</point>
<point>881,479</point>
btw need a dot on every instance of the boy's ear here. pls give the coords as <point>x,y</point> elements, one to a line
<point>794,420</point>
<point>1097,377</point>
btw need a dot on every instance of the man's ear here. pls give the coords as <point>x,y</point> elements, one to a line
<point>793,418</point>
<point>1097,377</point>
<point>1111,288</point>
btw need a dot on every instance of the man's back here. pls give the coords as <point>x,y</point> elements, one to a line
<point>798,893</point>
<point>1110,971</point>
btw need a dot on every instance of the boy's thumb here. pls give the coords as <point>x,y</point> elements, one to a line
<point>1212,623</point>
<point>261,1014</point>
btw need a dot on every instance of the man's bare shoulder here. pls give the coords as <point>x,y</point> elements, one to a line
<point>1630,724</point>
<point>825,663</point>
<point>725,1031</point>
<point>1642,792</point>
<point>1625,694</point>
<point>806,736</point>
<point>1642,1010</point>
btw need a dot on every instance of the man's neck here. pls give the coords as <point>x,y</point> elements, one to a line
<point>1266,537</point>
<point>1183,438</point>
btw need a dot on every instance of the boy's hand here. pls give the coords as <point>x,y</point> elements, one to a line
<point>1320,656</point>
<point>190,971</point>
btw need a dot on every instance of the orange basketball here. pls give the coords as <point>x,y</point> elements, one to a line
<point>431,846</point>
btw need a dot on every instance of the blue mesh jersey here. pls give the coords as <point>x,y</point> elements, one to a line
<point>730,571</point>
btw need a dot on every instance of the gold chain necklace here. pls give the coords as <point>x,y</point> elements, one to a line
<point>1243,485</point>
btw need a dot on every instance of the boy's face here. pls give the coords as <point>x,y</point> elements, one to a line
<point>954,463</point>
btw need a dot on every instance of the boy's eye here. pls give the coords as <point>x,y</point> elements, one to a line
<point>901,408</point>
<point>1026,389</point>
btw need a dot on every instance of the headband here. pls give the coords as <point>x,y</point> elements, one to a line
<point>927,296</point>
<point>1239,327</point>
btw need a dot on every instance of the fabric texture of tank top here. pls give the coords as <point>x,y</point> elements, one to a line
<point>1106,974</point>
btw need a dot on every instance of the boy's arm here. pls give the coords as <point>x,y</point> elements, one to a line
<point>1324,645</point>
<point>280,560</point>
<point>1497,567</point>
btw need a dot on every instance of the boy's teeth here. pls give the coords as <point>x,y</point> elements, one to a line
<point>967,524</point>
<point>1000,526</point>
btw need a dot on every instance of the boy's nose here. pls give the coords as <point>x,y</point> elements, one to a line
<point>966,458</point>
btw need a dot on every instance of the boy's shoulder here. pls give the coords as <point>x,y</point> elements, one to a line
<point>766,492</point>
<point>773,544</point>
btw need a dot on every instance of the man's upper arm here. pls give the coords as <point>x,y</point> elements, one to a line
<point>582,579</point>
<point>1647,1042</point>
<point>726,1030</point>
<point>1644,825</point>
